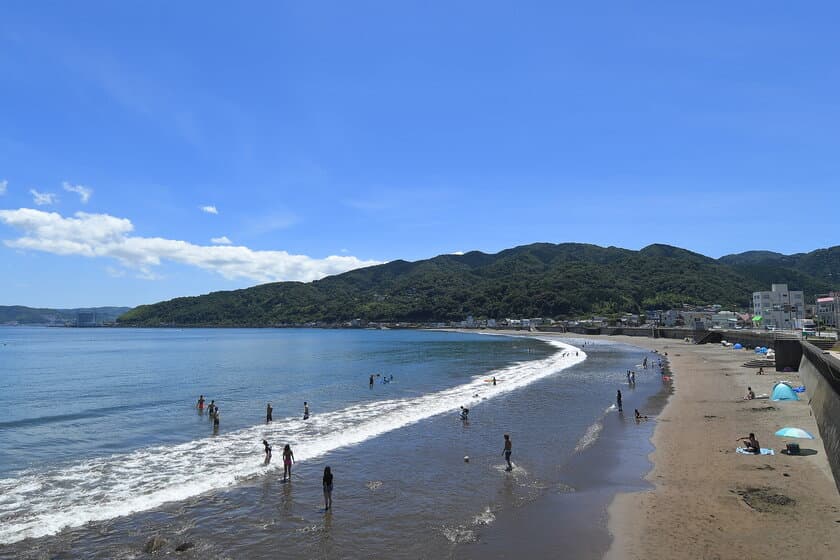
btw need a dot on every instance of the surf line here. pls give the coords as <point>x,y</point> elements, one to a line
<point>40,503</point>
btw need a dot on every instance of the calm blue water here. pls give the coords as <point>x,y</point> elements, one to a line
<point>101,444</point>
<point>70,394</point>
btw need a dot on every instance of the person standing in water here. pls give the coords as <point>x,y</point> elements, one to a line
<point>268,411</point>
<point>507,451</point>
<point>305,410</point>
<point>211,410</point>
<point>288,461</point>
<point>328,488</point>
<point>267,452</point>
<point>216,418</point>
<point>494,380</point>
<point>370,383</point>
<point>618,400</point>
<point>632,378</point>
<point>200,404</point>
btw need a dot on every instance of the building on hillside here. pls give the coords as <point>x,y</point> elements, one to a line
<point>828,309</point>
<point>780,307</point>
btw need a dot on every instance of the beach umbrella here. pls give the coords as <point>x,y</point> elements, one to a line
<point>794,432</point>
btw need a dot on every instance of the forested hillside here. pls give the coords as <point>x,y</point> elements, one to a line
<point>539,280</point>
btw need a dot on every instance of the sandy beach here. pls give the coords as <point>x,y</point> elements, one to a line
<point>710,502</point>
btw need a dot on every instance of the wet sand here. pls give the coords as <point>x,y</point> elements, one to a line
<point>710,502</point>
<point>570,520</point>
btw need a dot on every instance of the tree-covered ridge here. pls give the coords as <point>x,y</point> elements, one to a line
<point>538,280</point>
<point>40,316</point>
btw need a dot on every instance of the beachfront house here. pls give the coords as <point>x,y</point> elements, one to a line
<point>780,307</point>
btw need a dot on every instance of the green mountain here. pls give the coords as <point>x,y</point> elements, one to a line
<point>815,272</point>
<point>538,280</point>
<point>33,316</point>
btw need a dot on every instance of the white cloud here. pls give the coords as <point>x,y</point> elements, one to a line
<point>102,235</point>
<point>223,240</point>
<point>3,185</point>
<point>40,198</point>
<point>83,192</point>
<point>209,209</point>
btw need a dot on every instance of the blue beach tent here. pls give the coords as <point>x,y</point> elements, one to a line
<point>737,346</point>
<point>782,392</point>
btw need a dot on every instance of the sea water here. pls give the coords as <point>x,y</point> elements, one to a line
<point>101,445</point>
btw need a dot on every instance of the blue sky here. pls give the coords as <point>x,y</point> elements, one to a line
<point>330,135</point>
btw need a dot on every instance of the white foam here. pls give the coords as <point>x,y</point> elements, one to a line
<point>590,436</point>
<point>39,503</point>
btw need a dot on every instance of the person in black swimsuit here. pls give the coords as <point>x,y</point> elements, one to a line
<point>328,488</point>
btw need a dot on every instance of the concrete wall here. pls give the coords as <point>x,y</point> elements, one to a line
<point>821,375</point>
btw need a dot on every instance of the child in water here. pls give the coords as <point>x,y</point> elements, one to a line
<point>267,451</point>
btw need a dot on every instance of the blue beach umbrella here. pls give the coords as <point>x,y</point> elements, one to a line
<point>794,432</point>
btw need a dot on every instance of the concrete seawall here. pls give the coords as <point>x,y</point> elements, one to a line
<point>821,374</point>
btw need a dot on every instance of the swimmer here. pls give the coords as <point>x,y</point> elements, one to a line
<point>305,410</point>
<point>216,417</point>
<point>465,413</point>
<point>288,461</point>
<point>200,404</point>
<point>639,415</point>
<point>212,409</point>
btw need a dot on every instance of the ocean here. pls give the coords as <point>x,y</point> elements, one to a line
<point>102,447</point>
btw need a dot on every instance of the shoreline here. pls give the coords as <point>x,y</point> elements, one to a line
<point>708,501</point>
<point>615,463</point>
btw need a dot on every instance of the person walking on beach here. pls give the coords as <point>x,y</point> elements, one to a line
<point>288,460</point>
<point>305,410</point>
<point>507,451</point>
<point>328,487</point>
<point>200,404</point>
<point>268,411</point>
<point>267,452</point>
<point>618,400</point>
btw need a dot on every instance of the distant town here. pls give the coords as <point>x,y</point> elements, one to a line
<point>778,308</point>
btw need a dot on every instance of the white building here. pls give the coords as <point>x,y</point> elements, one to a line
<point>780,307</point>
<point>724,320</point>
<point>828,309</point>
